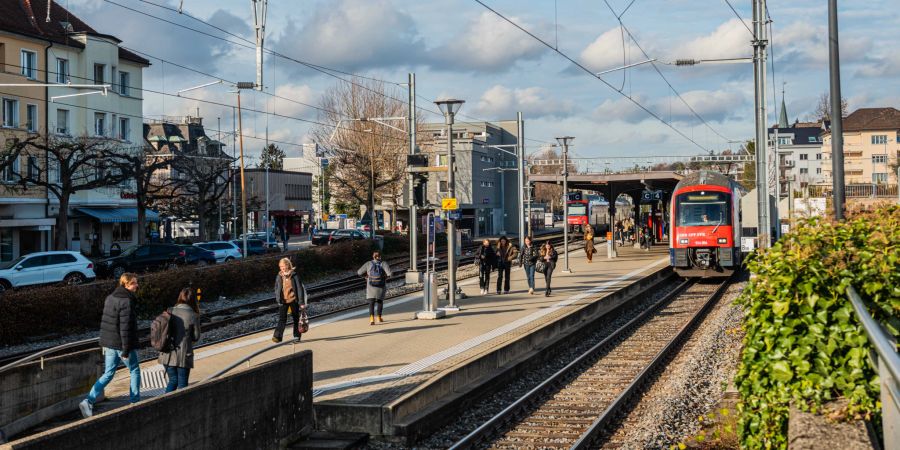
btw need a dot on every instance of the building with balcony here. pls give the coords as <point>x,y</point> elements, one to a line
<point>799,149</point>
<point>46,44</point>
<point>871,147</point>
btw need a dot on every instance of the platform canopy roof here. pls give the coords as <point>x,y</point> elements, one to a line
<point>619,182</point>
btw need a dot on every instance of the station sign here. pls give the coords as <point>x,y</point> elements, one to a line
<point>454,214</point>
<point>651,196</point>
<point>449,204</point>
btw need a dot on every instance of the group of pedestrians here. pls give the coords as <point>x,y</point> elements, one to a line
<point>503,256</point>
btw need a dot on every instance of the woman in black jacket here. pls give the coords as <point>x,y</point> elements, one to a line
<point>529,256</point>
<point>290,296</point>
<point>485,258</point>
<point>506,254</point>
<point>549,255</point>
<point>184,328</point>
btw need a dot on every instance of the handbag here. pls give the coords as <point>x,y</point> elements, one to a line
<point>304,320</point>
<point>540,266</point>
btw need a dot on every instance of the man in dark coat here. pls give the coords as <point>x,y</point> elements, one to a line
<point>118,337</point>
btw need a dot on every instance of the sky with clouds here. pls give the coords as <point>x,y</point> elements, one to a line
<point>458,48</point>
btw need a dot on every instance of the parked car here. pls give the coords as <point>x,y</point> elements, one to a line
<point>346,235</point>
<point>142,258</point>
<point>269,240</point>
<point>46,268</point>
<point>225,251</point>
<point>198,256</point>
<point>254,246</point>
<point>321,237</point>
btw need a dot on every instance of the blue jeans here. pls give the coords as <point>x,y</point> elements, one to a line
<point>112,360</point>
<point>178,377</point>
<point>529,275</point>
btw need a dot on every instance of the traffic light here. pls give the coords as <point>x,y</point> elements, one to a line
<point>420,184</point>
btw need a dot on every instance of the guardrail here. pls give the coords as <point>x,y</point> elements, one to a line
<point>46,352</point>
<point>887,363</point>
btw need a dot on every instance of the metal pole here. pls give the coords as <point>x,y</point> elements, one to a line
<point>413,225</point>
<point>372,190</point>
<point>233,186</point>
<point>268,216</point>
<point>520,150</point>
<point>764,228</point>
<point>837,125</point>
<point>566,204</point>
<point>243,185</point>
<point>451,224</point>
<point>777,159</point>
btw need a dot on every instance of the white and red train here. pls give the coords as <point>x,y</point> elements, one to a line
<point>706,225</point>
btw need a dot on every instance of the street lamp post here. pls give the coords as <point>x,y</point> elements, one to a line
<point>450,107</point>
<point>564,143</point>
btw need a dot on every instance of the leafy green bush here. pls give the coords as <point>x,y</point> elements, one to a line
<point>803,343</point>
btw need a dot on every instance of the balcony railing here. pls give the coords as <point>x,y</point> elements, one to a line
<point>857,191</point>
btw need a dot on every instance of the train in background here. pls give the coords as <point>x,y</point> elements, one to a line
<point>593,210</point>
<point>706,225</point>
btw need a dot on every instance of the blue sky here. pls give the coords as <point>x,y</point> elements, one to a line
<point>458,48</point>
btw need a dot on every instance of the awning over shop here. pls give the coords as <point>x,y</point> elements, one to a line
<point>118,215</point>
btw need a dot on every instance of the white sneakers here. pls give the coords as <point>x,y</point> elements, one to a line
<point>530,291</point>
<point>86,409</point>
<point>483,291</point>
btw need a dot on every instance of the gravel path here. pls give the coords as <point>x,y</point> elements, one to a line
<point>691,384</point>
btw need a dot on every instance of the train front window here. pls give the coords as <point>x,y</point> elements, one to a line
<point>703,209</point>
<point>577,210</point>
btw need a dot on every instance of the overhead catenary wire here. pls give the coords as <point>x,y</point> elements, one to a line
<point>591,73</point>
<point>728,2</point>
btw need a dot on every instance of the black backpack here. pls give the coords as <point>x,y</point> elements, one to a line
<point>376,274</point>
<point>160,333</point>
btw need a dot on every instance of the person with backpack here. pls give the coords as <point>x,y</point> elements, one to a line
<point>290,295</point>
<point>485,258</point>
<point>119,340</point>
<point>183,330</point>
<point>528,258</point>
<point>548,258</point>
<point>506,254</point>
<point>376,273</point>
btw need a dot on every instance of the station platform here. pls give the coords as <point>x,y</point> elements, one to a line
<point>373,366</point>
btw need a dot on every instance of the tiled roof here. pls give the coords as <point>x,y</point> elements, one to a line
<point>28,18</point>
<point>872,119</point>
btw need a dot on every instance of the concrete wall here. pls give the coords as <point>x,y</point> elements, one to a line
<point>34,392</point>
<point>258,408</point>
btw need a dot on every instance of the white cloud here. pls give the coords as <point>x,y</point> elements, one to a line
<point>488,43</point>
<point>354,35</point>
<point>729,40</point>
<point>297,93</point>
<point>503,102</point>
<point>621,109</point>
<point>713,106</point>
<point>804,46</point>
<point>608,52</point>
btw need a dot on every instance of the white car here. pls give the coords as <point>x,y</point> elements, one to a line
<point>224,250</point>
<point>46,268</point>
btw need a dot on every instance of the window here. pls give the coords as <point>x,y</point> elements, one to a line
<point>34,261</point>
<point>123,83</point>
<point>29,64</point>
<point>819,170</point>
<point>442,186</point>
<point>487,184</point>
<point>812,139</point>
<point>804,170</point>
<point>702,209</point>
<point>99,124</point>
<point>10,113</point>
<point>32,167</point>
<point>804,157</point>
<point>76,231</point>
<point>99,71</point>
<point>62,121</point>
<point>61,258</point>
<point>121,231</point>
<point>879,177</point>
<point>31,118</point>
<point>6,240</point>
<point>124,129</point>
<point>818,156</point>
<point>441,160</point>
<point>784,140</point>
<point>487,159</point>
<point>879,159</point>
<point>62,70</point>
<point>879,139</point>
<point>11,172</point>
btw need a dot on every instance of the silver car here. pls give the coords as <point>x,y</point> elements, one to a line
<point>46,268</point>
<point>225,251</point>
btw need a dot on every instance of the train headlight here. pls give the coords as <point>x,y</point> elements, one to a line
<point>723,240</point>
<point>682,241</point>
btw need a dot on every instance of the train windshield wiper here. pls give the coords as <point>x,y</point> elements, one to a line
<point>718,225</point>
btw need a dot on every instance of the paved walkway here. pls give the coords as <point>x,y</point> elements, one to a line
<point>356,362</point>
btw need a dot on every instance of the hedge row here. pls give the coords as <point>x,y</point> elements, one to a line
<point>41,311</point>
<point>804,345</point>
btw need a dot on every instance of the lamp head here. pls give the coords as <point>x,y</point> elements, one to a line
<point>449,107</point>
<point>564,140</point>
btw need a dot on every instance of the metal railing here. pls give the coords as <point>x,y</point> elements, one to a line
<point>46,352</point>
<point>887,363</point>
<point>857,190</point>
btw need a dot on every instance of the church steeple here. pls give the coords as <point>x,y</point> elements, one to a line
<point>782,118</point>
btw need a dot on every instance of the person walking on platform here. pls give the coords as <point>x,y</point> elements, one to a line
<point>290,295</point>
<point>549,256</point>
<point>375,272</point>
<point>528,257</point>
<point>485,258</point>
<point>184,329</point>
<point>506,254</point>
<point>589,243</point>
<point>118,337</point>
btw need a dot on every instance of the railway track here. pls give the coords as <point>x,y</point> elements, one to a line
<point>234,314</point>
<point>572,408</point>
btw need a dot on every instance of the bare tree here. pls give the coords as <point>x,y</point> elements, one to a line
<point>823,107</point>
<point>366,156</point>
<point>202,181</point>
<point>69,166</point>
<point>551,194</point>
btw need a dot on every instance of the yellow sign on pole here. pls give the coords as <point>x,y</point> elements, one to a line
<point>449,204</point>
<point>325,217</point>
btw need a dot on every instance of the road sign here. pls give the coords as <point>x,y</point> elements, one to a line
<point>325,217</point>
<point>449,204</point>
<point>341,216</point>
<point>454,214</point>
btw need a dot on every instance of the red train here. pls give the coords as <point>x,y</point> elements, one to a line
<point>706,225</point>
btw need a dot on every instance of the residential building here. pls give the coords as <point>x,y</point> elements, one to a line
<point>50,45</point>
<point>871,147</point>
<point>486,179</point>
<point>289,198</point>
<point>799,149</point>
